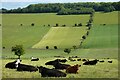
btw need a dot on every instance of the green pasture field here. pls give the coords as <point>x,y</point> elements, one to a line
<point>101,70</point>
<point>102,37</point>
<point>28,35</point>
<point>101,43</point>
<point>62,37</point>
<point>106,18</point>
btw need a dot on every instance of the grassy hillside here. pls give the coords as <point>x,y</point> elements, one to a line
<point>27,35</point>
<point>42,19</point>
<point>102,37</point>
<point>106,18</point>
<point>62,37</point>
<point>101,43</point>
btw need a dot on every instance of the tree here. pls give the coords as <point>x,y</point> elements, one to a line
<point>84,37</point>
<point>67,50</point>
<point>74,47</point>
<point>18,50</point>
<point>56,24</point>
<point>55,47</point>
<point>32,24</point>
<point>47,47</point>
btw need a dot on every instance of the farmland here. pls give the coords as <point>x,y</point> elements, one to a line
<point>65,37</point>
<point>101,43</point>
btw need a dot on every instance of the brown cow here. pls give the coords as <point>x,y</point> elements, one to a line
<point>73,69</point>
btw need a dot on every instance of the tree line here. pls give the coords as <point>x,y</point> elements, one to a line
<point>67,8</point>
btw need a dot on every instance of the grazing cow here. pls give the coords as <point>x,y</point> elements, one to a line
<point>85,60</point>
<point>70,58</point>
<point>78,59</point>
<point>52,62</point>
<point>102,61</point>
<point>34,59</point>
<point>12,65</point>
<point>93,62</point>
<point>45,72</point>
<point>75,57</point>
<point>73,69</point>
<point>24,67</point>
<point>57,64</point>
<point>57,60</point>
<point>62,60</point>
<point>109,61</point>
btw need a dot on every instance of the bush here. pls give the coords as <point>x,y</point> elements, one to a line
<point>32,24</point>
<point>84,37</point>
<point>21,24</point>
<point>47,47</point>
<point>74,47</point>
<point>55,47</point>
<point>67,50</point>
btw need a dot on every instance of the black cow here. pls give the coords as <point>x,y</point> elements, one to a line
<point>78,59</point>
<point>52,62</point>
<point>45,72</point>
<point>93,62</point>
<point>60,66</point>
<point>35,59</point>
<point>62,60</point>
<point>109,61</point>
<point>102,61</point>
<point>70,58</point>
<point>24,67</point>
<point>85,60</point>
<point>11,65</point>
<point>57,64</point>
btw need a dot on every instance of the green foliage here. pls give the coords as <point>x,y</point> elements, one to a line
<point>66,8</point>
<point>74,11</point>
<point>18,50</point>
<point>67,50</point>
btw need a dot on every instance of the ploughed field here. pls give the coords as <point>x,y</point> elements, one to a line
<point>101,43</point>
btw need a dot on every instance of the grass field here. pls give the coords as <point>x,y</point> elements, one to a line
<point>62,37</point>
<point>27,35</point>
<point>101,43</point>
<point>102,37</point>
<point>106,18</point>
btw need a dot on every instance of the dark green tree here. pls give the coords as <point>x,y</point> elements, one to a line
<point>18,50</point>
<point>67,50</point>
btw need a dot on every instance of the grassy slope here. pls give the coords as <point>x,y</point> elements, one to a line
<point>102,37</point>
<point>13,33</point>
<point>106,18</point>
<point>62,37</point>
<point>102,70</point>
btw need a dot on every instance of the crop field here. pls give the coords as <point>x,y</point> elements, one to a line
<point>101,43</point>
<point>62,37</point>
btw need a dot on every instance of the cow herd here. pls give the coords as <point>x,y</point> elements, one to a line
<point>57,64</point>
